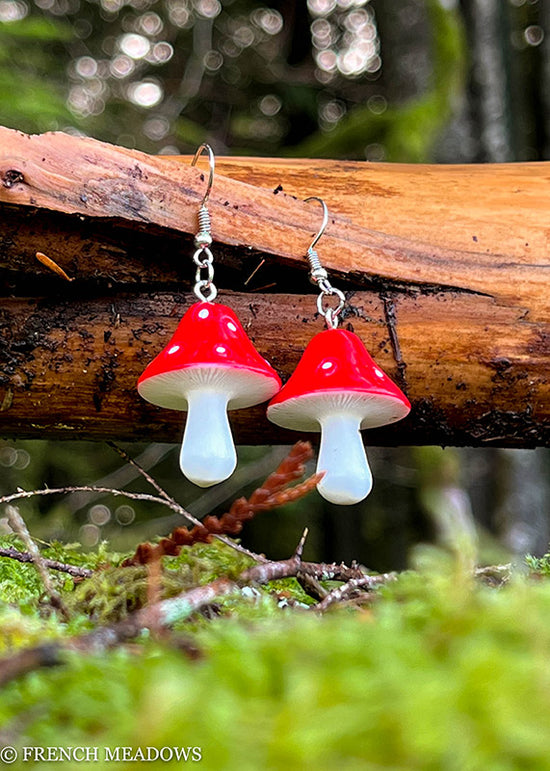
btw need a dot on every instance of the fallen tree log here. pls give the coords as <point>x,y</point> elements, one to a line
<point>446,270</point>
<point>70,367</point>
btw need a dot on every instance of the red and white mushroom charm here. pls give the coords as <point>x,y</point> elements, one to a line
<point>208,367</point>
<point>338,389</point>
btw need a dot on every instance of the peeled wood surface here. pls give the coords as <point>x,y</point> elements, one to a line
<point>480,229</point>
<point>449,267</point>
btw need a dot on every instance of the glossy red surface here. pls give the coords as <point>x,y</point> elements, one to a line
<point>209,334</point>
<point>337,360</point>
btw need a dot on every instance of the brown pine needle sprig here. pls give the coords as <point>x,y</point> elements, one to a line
<point>275,491</point>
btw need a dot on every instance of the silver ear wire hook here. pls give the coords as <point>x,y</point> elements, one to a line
<point>212,165</point>
<point>203,257</point>
<point>323,224</point>
<point>319,276</point>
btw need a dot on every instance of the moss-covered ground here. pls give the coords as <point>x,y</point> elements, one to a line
<point>440,671</point>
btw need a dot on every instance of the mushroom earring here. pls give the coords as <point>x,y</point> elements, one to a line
<point>337,389</point>
<point>209,366</point>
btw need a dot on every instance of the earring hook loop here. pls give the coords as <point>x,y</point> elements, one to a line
<point>323,224</point>
<point>319,276</point>
<point>212,165</point>
<point>203,258</point>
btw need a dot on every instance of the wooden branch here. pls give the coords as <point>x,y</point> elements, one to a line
<point>19,526</point>
<point>26,557</point>
<point>476,373</point>
<point>476,228</point>
<point>448,268</point>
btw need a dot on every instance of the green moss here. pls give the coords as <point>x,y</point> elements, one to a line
<point>208,561</point>
<point>440,673</point>
<point>539,565</point>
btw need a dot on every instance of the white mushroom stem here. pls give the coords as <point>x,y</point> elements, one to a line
<point>342,457</point>
<point>207,452</point>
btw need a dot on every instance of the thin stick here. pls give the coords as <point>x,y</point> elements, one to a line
<point>340,572</point>
<point>120,477</point>
<point>176,506</point>
<point>312,586</point>
<point>152,481</point>
<point>341,592</point>
<point>256,269</point>
<point>25,556</point>
<point>301,543</point>
<point>19,525</point>
<point>88,489</point>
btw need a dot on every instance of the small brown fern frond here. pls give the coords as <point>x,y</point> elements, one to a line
<point>292,467</point>
<point>292,494</point>
<point>275,491</point>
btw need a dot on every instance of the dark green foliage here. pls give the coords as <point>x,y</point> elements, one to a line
<point>407,131</point>
<point>28,49</point>
<point>242,75</point>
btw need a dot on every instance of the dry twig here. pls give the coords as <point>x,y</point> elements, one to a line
<point>152,481</point>
<point>63,567</point>
<point>21,494</point>
<point>342,592</point>
<point>176,507</point>
<point>17,523</point>
<point>274,492</point>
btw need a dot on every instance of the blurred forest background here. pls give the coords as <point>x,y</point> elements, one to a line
<point>385,80</point>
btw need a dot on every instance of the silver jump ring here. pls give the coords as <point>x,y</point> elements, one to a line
<point>331,314</point>
<point>212,291</point>
<point>203,257</point>
<point>200,279</point>
<point>325,286</point>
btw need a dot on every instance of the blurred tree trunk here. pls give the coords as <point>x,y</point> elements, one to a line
<point>523,501</point>
<point>405,48</point>
<point>544,91</point>
<point>488,31</point>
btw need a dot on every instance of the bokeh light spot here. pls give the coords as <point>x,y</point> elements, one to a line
<point>99,514</point>
<point>148,93</point>
<point>208,8</point>
<point>125,514</point>
<point>86,67</point>
<point>89,535</point>
<point>12,10</point>
<point>133,45</point>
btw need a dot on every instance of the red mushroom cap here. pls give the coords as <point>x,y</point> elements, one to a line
<point>209,348</point>
<point>337,372</point>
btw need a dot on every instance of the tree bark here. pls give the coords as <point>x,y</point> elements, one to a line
<point>475,376</point>
<point>446,270</point>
